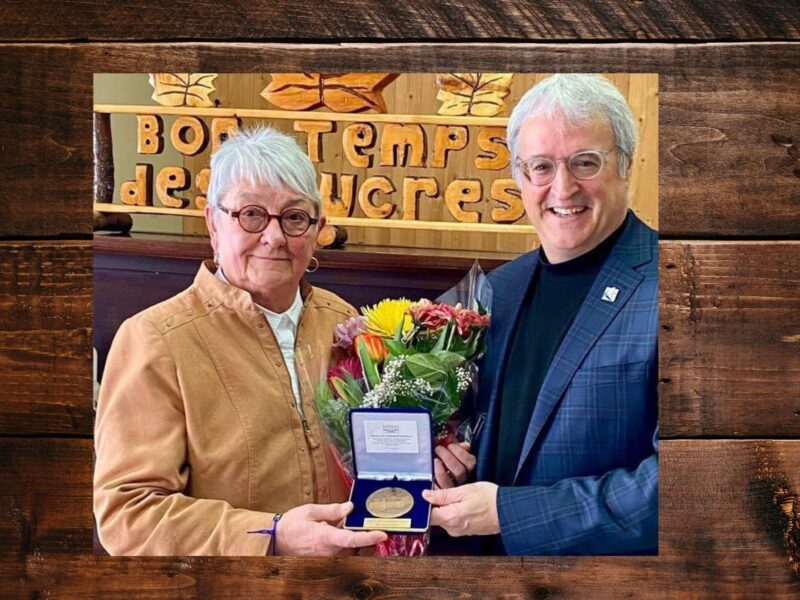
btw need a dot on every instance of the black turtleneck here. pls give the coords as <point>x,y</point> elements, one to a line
<point>551,303</point>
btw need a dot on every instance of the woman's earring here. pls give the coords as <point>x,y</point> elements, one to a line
<point>216,260</point>
<point>315,262</point>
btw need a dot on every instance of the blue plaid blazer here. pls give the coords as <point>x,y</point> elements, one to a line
<point>587,478</point>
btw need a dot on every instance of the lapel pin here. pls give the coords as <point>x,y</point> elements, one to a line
<point>610,294</point>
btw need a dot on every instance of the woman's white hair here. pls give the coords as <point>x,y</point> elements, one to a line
<point>576,99</point>
<point>262,156</point>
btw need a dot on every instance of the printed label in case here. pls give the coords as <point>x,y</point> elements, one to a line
<point>373,523</point>
<point>392,437</point>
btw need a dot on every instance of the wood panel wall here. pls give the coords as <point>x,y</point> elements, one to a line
<point>729,184</point>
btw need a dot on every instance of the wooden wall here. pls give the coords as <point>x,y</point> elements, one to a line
<point>414,94</point>
<point>729,184</point>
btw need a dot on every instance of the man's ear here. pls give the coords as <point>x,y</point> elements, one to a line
<point>629,170</point>
<point>211,223</point>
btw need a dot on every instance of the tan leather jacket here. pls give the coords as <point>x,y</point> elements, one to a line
<point>198,438</point>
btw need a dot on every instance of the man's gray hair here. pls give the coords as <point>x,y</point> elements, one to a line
<point>262,156</point>
<point>577,99</point>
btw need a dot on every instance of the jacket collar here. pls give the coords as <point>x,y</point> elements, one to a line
<point>216,292</point>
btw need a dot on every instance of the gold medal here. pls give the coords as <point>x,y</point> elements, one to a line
<point>389,502</point>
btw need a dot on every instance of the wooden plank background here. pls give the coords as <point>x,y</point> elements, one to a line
<point>730,278</point>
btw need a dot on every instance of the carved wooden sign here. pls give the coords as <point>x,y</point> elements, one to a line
<point>182,89</point>
<point>189,135</point>
<point>366,147</point>
<point>409,145</point>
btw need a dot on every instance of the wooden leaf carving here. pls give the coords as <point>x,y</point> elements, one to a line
<point>479,94</point>
<point>182,89</point>
<point>340,92</point>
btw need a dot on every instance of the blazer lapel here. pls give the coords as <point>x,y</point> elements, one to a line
<point>510,289</point>
<point>592,319</point>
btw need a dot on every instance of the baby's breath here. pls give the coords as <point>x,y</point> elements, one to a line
<point>463,378</point>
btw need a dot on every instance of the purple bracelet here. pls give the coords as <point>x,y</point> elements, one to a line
<point>273,532</point>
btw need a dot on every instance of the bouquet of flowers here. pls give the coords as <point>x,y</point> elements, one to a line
<point>399,354</point>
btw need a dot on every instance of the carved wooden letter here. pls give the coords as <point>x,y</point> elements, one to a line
<point>169,179</point>
<point>180,139</point>
<point>315,129</point>
<point>222,128</point>
<point>506,194</point>
<point>400,141</point>
<point>148,138</point>
<point>463,191</point>
<point>333,205</point>
<point>448,137</point>
<point>369,187</point>
<point>138,192</point>
<point>492,140</point>
<point>359,135</point>
<point>412,188</point>
<point>201,183</point>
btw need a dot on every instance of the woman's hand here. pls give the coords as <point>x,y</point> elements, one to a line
<point>453,464</point>
<point>313,530</point>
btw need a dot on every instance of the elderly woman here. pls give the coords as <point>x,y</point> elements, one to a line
<point>206,430</point>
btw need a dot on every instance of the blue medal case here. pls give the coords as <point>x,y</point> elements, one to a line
<point>405,464</point>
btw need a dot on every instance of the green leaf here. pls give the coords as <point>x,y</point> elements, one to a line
<point>475,344</point>
<point>444,336</point>
<point>449,359</point>
<point>348,390</point>
<point>323,394</point>
<point>427,367</point>
<point>370,370</point>
<point>397,348</point>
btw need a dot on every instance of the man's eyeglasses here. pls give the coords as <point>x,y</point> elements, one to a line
<point>294,222</point>
<point>541,170</point>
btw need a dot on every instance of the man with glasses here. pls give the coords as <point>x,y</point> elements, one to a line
<point>568,458</point>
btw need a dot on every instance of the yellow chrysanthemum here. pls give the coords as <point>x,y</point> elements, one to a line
<point>384,317</point>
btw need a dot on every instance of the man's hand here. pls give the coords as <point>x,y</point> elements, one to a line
<point>312,530</point>
<point>467,510</point>
<point>453,465</point>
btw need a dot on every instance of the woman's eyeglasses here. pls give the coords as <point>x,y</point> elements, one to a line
<point>294,222</point>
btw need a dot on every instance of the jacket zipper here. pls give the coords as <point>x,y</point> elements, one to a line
<point>307,430</point>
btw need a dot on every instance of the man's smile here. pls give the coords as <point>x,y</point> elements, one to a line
<point>565,212</point>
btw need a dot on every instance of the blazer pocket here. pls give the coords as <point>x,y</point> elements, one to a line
<point>610,374</point>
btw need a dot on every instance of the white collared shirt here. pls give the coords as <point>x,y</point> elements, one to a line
<point>284,327</point>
